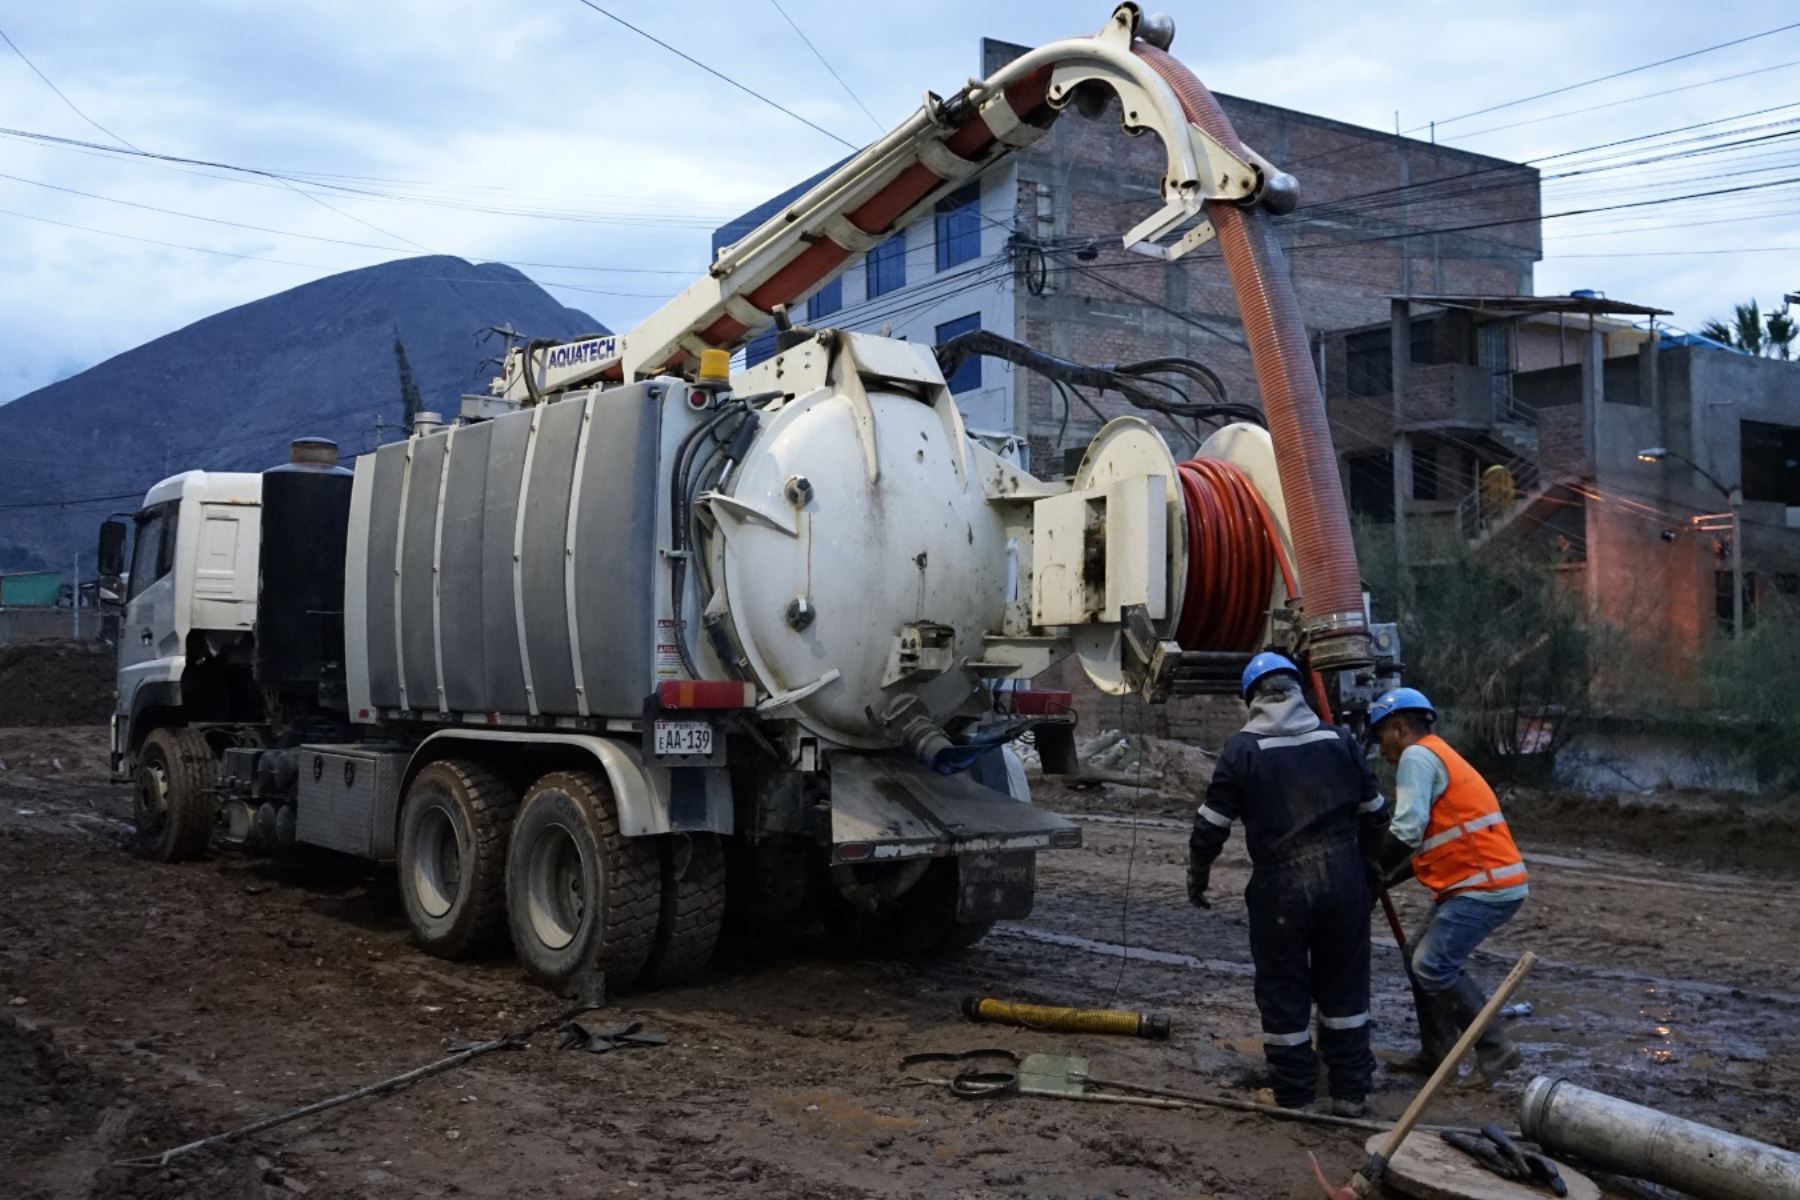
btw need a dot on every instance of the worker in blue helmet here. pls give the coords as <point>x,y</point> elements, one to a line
<point>1449,833</point>
<point>1309,803</point>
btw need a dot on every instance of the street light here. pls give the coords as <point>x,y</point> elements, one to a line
<point>1733,497</point>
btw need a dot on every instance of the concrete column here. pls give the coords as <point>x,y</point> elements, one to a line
<point>1400,334</point>
<point>1593,393</point>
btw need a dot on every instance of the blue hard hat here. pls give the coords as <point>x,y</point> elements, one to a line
<point>1399,700</point>
<point>1266,663</point>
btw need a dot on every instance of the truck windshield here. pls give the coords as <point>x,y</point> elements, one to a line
<point>153,553</point>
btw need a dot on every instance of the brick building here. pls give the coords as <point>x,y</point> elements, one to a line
<point>1520,428</point>
<point>1032,250</point>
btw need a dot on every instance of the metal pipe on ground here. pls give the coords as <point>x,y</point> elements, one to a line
<point>1643,1143</point>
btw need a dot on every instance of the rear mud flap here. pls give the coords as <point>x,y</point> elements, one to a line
<point>995,886</point>
<point>887,808</point>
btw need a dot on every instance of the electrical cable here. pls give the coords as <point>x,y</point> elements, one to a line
<point>826,63</point>
<point>717,74</point>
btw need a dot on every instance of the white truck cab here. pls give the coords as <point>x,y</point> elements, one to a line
<point>192,590</point>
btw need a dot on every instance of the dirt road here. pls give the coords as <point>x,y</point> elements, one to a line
<point>144,1005</point>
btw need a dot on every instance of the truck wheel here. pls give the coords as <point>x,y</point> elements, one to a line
<point>693,908</point>
<point>453,831</point>
<point>580,896</point>
<point>174,801</point>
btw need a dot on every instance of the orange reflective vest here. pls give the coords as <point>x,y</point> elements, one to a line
<point>1467,847</point>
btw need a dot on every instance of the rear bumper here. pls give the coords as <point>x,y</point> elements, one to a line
<point>889,808</point>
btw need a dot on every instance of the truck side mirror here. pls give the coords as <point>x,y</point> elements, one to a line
<point>111,556</point>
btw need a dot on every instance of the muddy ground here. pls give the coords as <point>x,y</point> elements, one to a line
<point>144,1005</point>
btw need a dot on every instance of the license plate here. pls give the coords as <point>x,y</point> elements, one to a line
<point>683,738</point>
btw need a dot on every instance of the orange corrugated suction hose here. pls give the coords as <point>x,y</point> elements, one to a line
<point>1290,394</point>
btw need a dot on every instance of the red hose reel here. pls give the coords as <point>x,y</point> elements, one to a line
<point>1233,550</point>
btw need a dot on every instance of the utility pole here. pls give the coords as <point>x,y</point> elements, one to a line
<point>75,597</point>
<point>1736,497</point>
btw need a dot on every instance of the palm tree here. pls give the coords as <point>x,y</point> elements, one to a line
<point>1718,331</point>
<point>1748,323</point>
<point>1753,333</point>
<point>1781,331</point>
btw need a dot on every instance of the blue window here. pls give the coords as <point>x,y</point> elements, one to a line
<point>826,300</point>
<point>967,376</point>
<point>887,266</point>
<point>760,348</point>
<point>959,227</point>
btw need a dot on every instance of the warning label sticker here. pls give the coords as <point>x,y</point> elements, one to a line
<point>668,652</point>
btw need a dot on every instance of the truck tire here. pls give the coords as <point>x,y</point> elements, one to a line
<point>693,908</point>
<point>454,825</point>
<point>580,896</point>
<point>174,800</point>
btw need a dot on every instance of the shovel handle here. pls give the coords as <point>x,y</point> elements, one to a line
<point>1447,1068</point>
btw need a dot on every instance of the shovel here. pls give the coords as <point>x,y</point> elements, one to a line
<point>1368,1176</point>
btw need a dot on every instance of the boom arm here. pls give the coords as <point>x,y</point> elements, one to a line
<point>890,183</point>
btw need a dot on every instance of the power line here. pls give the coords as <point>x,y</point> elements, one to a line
<point>139,149</point>
<point>73,107</point>
<point>717,74</point>
<point>826,63</point>
<point>1661,62</point>
<point>1686,87</point>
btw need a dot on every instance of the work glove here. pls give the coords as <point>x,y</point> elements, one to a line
<point>1199,874</point>
<point>1391,863</point>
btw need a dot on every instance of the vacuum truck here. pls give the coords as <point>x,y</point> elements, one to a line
<point>638,638</point>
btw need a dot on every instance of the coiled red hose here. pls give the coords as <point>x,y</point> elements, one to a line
<point>1290,393</point>
<point>1230,559</point>
<point>1233,546</point>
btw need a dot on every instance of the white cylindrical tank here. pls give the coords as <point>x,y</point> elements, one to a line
<point>847,523</point>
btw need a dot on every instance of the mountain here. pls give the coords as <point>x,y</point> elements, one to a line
<point>230,391</point>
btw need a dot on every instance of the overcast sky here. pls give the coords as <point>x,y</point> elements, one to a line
<point>539,131</point>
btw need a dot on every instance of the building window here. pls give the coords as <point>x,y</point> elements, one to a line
<point>760,348</point>
<point>1771,458</point>
<point>1425,471</point>
<point>959,227</point>
<point>826,300</point>
<point>1368,367</point>
<point>967,376</point>
<point>887,266</point>
<point>1371,485</point>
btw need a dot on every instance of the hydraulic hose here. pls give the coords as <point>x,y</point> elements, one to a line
<point>1290,393</point>
<point>1230,559</point>
<point>1233,547</point>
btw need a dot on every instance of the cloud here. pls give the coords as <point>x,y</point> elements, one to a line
<point>552,135</point>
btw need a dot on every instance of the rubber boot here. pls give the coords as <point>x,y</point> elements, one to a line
<point>1495,1054</point>
<point>1438,1031</point>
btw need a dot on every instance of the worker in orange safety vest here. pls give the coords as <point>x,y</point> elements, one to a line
<point>1449,833</point>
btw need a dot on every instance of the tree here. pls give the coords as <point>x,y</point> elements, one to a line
<point>1753,333</point>
<point>1506,647</point>
<point>410,400</point>
<point>1781,331</point>
<point>1747,325</point>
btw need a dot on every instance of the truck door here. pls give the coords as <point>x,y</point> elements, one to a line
<point>150,649</point>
